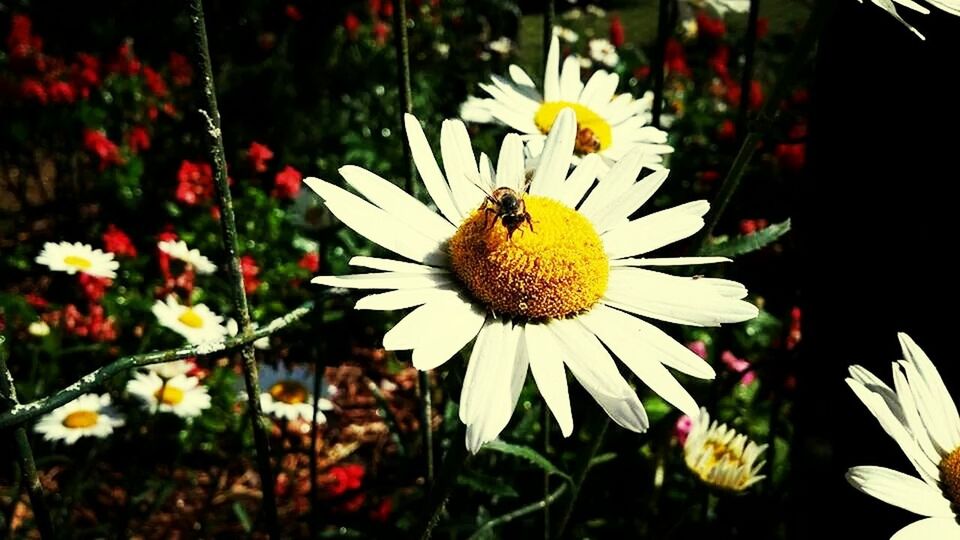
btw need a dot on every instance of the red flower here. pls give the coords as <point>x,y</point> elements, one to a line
<point>259,155</point>
<point>710,27</point>
<point>310,261</point>
<point>763,27</point>
<point>641,72</point>
<point>800,96</point>
<point>181,72</point>
<point>118,242</point>
<point>88,70</point>
<point>61,92</point>
<point>138,139</point>
<point>710,176</point>
<point>35,300</point>
<point>750,226</point>
<point>791,156</point>
<point>125,62</point>
<point>352,24</point>
<point>756,94</point>
<point>97,142</point>
<point>382,512</point>
<point>794,336</point>
<point>676,59</point>
<point>387,10</point>
<point>346,478</point>
<point>194,183</point>
<point>250,270</point>
<point>293,13</point>
<point>287,183</point>
<point>381,32</point>
<point>798,131</point>
<point>617,37</point>
<point>94,287</point>
<point>21,42</point>
<point>727,130</point>
<point>720,60</point>
<point>33,89</point>
<point>154,82</point>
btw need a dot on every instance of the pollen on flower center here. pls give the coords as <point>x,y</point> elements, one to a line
<point>169,395</point>
<point>593,132</point>
<point>78,262</point>
<point>81,419</point>
<point>556,269</point>
<point>289,392</point>
<point>191,319</point>
<point>950,475</point>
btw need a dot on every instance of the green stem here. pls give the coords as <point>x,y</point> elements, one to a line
<point>453,463</point>
<point>766,116</point>
<point>659,59</point>
<point>746,78</point>
<point>581,477</point>
<point>8,396</point>
<point>388,415</point>
<point>549,15</point>
<point>402,44</point>
<point>519,512</point>
<point>26,412</point>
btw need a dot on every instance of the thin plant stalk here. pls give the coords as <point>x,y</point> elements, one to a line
<point>549,15</point>
<point>485,529</point>
<point>659,59</point>
<point>228,229</point>
<point>453,462</point>
<point>746,78</point>
<point>582,477</point>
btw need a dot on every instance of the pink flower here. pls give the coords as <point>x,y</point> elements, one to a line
<point>682,428</point>
<point>737,365</point>
<point>698,347</point>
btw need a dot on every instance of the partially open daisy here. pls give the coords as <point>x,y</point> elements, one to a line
<point>919,414</point>
<point>87,416</point>
<point>544,277</point>
<point>721,457</point>
<point>179,250</point>
<point>77,257</point>
<point>288,393</point>
<point>608,124</point>
<point>182,395</point>
<point>196,323</point>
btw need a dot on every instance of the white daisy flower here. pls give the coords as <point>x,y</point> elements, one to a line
<point>720,7</point>
<point>566,34</point>
<point>196,323</point>
<point>572,15</point>
<point>501,45</point>
<point>178,250</point>
<point>550,291</point>
<point>950,6</point>
<point>596,11</point>
<point>288,393</point>
<point>169,370</point>
<point>77,257</point>
<point>608,124</point>
<point>721,457</point>
<point>183,396</point>
<point>87,416</point>
<point>604,52</point>
<point>39,329</point>
<point>919,414</point>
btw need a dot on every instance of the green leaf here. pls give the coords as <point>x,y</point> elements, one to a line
<point>484,484</point>
<point>528,454</point>
<point>602,458</point>
<point>748,243</point>
<point>242,515</point>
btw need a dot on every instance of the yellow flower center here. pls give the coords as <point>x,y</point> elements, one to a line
<point>554,269</point>
<point>81,419</point>
<point>593,132</point>
<point>77,262</point>
<point>720,464</point>
<point>950,475</point>
<point>289,392</point>
<point>169,395</point>
<point>191,319</point>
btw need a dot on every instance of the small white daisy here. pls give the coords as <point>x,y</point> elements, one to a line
<point>608,124</point>
<point>183,396</point>
<point>169,370</point>
<point>553,283</point>
<point>919,414</point>
<point>288,393</point>
<point>39,329</point>
<point>604,52</point>
<point>567,34</point>
<point>178,250</point>
<point>596,11</point>
<point>721,457</point>
<point>77,257</point>
<point>87,416</point>
<point>196,323</point>
<point>501,45</point>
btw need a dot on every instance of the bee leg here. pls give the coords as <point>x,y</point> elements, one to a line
<point>486,222</point>
<point>526,217</point>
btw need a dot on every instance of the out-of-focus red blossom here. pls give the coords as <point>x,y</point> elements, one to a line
<point>61,92</point>
<point>750,226</point>
<point>96,141</point>
<point>287,183</point>
<point>381,31</point>
<point>310,261</point>
<point>793,338</point>
<point>676,59</point>
<point>719,61</point>
<point>387,10</point>
<point>617,35</point>
<point>215,212</point>
<point>710,176</point>
<point>763,27</point>
<point>88,70</point>
<point>727,130</point>
<point>194,182</point>
<point>138,139</point>
<point>196,370</point>
<point>641,72</point>
<point>96,325</point>
<point>800,96</point>
<point>250,271</point>
<point>154,82</point>
<point>118,242</point>
<point>345,478</point>
<point>259,155</point>
<point>36,300</point>
<point>354,503</point>
<point>374,6</point>
<point>181,72</point>
<point>798,131</point>
<point>169,108</point>
<point>33,90</point>
<point>352,25</point>
<point>682,428</point>
<point>756,94</point>
<point>698,347</point>
<point>21,42</point>
<point>94,287</point>
<point>382,511</point>
<point>709,26</point>
<point>293,13</point>
<point>791,156</point>
<point>282,484</point>
<point>125,62</point>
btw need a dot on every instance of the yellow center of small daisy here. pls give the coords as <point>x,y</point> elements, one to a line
<point>81,419</point>
<point>191,318</point>
<point>554,269</point>
<point>77,262</point>
<point>950,475</point>
<point>289,392</point>
<point>593,132</point>
<point>169,395</point>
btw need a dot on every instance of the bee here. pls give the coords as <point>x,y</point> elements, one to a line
<point>587,141</point>
<point>506,205</point>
